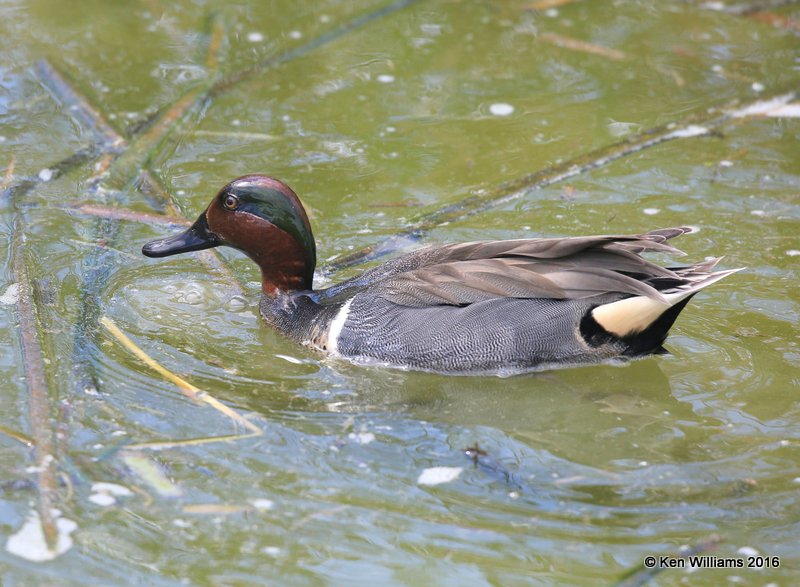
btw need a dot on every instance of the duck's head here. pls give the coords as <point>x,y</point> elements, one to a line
<point>263,218</point>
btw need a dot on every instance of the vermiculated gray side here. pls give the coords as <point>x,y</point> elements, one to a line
<point>497,334</point>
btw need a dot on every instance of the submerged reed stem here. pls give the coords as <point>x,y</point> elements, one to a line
<point>184,386</point>
<point>39,408</point>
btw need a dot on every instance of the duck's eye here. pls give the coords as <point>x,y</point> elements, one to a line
<point>230,202</point>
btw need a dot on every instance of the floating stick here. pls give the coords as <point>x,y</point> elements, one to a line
<point>184,386</point>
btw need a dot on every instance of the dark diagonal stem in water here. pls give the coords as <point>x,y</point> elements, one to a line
<point>642,575</point>
<point>704,125</point>
<point>488,464</point>
<point>79,106</point>
<point>98,265</point>
<point>145,147</point>
<point>39,408</point>
<point>51,173</point>
<point>126,170</point>
<point>108,140</point>
<point>229,81</point>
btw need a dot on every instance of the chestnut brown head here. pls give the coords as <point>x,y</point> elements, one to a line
<point>262,217</point>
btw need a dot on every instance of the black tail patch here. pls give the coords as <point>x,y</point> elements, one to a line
<point>594,334</point>
<point>649,340</point>
<point>646,342</point>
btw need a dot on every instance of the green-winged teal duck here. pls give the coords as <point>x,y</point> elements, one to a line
<point>476,307</point>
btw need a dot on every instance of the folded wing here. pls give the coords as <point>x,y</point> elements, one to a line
<point>565,268</point>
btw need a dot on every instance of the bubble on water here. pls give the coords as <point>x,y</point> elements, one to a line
<point>236,303</point>
<point>432,29</point>
<point>255,37</point>
<point>501,109</point>
<point>619,128</point>
<point>651,211</point>
<point>693,130</point>
<point>102,499</point>
<point>46,174</point>
<point>193,298</point>
<point>385,78</point>
<point>361,437</point>
<point>111,489</point>
<point>192,293</point>
<point>289,359</point>
<point>263,504</point>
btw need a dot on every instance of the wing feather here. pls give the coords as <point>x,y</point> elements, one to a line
<point>567,268</point>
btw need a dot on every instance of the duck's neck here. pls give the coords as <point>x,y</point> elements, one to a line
<point>287,268</point>
<point>286,264</point>
<point>278,279</point>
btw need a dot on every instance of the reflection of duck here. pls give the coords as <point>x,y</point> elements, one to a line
<point>577,402</point>
<point>474,307</point>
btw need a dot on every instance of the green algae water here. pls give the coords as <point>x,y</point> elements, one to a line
<point>379,114</point>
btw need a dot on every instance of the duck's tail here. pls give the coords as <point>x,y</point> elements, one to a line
<point>643,321</point>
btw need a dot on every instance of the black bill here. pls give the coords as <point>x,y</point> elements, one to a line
<point>195,238</point>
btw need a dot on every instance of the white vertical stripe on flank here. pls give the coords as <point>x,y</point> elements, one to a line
<point>336,327</point>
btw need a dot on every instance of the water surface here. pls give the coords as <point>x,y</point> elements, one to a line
<point>587,470</point>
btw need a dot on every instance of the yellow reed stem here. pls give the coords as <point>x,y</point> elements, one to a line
<point>186,388</point>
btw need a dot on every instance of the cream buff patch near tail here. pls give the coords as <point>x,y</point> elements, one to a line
<point>633,315</point>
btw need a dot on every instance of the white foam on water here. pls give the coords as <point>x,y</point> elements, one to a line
<point>29,542</point>
<point>438,475</point>
<point>10,297</point>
